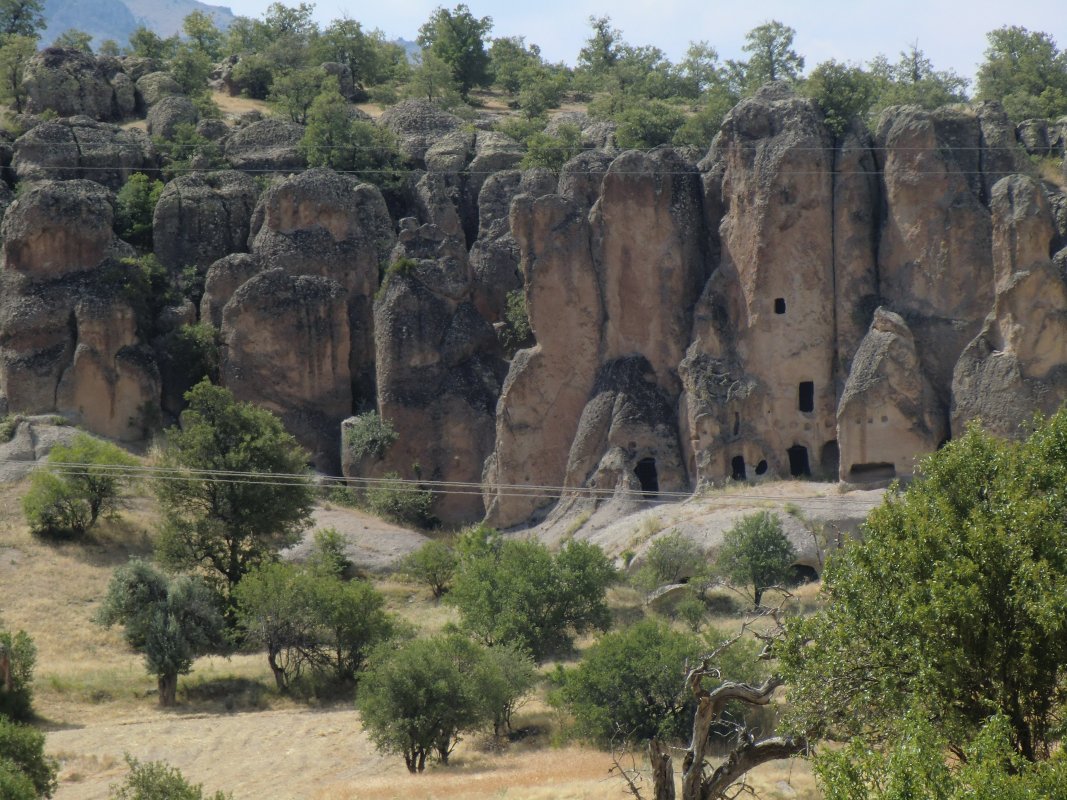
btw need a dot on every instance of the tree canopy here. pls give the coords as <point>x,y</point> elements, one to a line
<point>457,37</point>
<point>953,603</point>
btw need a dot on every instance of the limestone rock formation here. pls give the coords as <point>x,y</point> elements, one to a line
<point>171,111</point>
<point>70,83</point>
<point>888,415</point>
<point>417,125</point>
<point>222,280</point>
<point>67,338</point>
<point>322,223</point>
<point>201,217</point>
<point>80,147</point>
<point>153,87</point>
<point>286,348</point>
<point>270,145</point>
<point>438,367</point>
<point>1017,364</point>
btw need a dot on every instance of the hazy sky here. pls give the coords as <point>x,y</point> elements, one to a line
<point>951,32</point>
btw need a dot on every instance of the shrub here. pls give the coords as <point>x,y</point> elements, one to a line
<point>369,435</point>
<point>756,552</point>
<point>402,502</point>
<point>134,206</point>
<point>25,771</point>
<point>17,704</point>
<point>433,564</point>
<point>517,332</point>
<point>552,152</point>
<point>84,482</point>
<point>157,780</point>
<point>672,558</point>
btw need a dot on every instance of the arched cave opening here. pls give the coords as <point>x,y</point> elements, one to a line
<point>648,477</point>
<point>806,396</point>
<point>779,305</point>
<point>798,461</point>
<point>761,467</point>
<point>737,468</point>
<point>875,471</point>
<point>802,573</point>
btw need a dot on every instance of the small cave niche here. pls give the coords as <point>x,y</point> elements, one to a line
<point>799,466</point>
<point>648,477</point>
<point>806,396</point>
<point>779,305</point>
<point>875,471</point>
<point>737,423</point>
<point>761,467</point>
<point>802,573</point>
<point>737,468</point>
<point>830,459</point>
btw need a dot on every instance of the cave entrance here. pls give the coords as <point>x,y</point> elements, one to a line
<point>761,467</point>
<point>648,477</point>
<point>830,459</point>
<point>737,468</point>
<point>877,471</point>
<point>802,573</point>
<point>806,396</point>
<point>798,461</point>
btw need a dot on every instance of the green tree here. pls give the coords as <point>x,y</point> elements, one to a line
<point>433,80</point>
<point>157,780</point>
<point>505,676</point>
<point>203,34</point>
<point>954,603</point>
<point>671,558</point>
<point>253,75</point>
<point>135,204</point>
<point>457,37</point>
<point>508,57</point>
<point>294,93</point>
<point>771,57</point>
<point>223,525</point>
<point>433,564</point>
<point>913,80</point>
<point>19,654</point>
<point>647,124</point>
<point>1026,71</point>
<point>83,482</point>
<point>26,773</point>
<point>15,53</point>
<point>370,58</point>
<point>602,49</point>
<point>369,435</point>
<point>550,151</point>
<point>146,43</point>
<point>171,622</point>
<point>109,47</point>
<point>190,67</point>
<point>516,591</point>
<point>756,552</point>
<point>418,698</point>
<point>843,92</point>
<point>21,18</point>
<point>700,128</point>
<point>75,40</point>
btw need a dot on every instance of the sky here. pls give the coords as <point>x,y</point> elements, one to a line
<point>950,32</point>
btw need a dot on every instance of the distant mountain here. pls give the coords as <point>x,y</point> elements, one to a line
<point>117,19</point>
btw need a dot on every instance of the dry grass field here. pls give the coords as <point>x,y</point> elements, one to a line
<point>231,730</point>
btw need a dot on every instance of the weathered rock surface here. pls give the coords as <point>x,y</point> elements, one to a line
<point>80,147</point>
<point>286,348</point>
<point>70,83</point>
<point>201,217</point>
<point>417,125</point>
<point>322,223</point>
<point>165,116</point>
<point>888,415</point>
<point>222,280</point>
<point>270,145</point>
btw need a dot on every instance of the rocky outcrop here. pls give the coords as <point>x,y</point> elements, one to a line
<point>67,338</point>
<point>81,148</point>
<point>1017,364</point>
<point>439,369</point>
<point>268,146</point>
<point>222,280</point>
<point>170,112</point>
<point>322,223</point>
<point>152,87</point>
<point>286,348</point>
<point>71,83</point>
<point>417,125</point>
<point>888,415</point>
<point>201,217</point>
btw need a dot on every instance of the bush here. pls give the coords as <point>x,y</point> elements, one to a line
<point>433,564</point>
<point>756,552</point>
<point>552,152</point>
<point>402,502</point>
<point>369,435</point>
<point>517,332</point>
<point>25,771</point>
<point>66,501</point>
<point>21,658</point>
<point>157,780</point>
<point>134,206</point>
<point>648,124</point>
<point>672,558</point>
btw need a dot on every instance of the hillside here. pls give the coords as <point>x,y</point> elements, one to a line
<point>117,19</point>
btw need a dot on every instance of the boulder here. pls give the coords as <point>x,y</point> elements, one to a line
<point>889,414</point>
<point>343,73</point>
<point>417,125</point>
<point>69,83</point>
<point>80,147</point>
<point>154,86</point>
<point>1033,136</point>
<point>201,217</point>
<point>1000,155</point>
<point>214,130</point>
<point>322,223</point>
<point>286,348</point>
<point>139,66</point>
<point>267,146</point>
<point>165,116</point>
<point>222,280</point>
<point>581,177</point>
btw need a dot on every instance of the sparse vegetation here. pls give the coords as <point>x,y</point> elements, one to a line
<point>403,502</point>
<point>157,780</point>
<point>369,436</point>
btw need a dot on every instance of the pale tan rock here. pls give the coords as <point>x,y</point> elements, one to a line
<point>889,415</point>
<point>285,347</point>
<point>1023,227</point>
<point>223,278</point>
